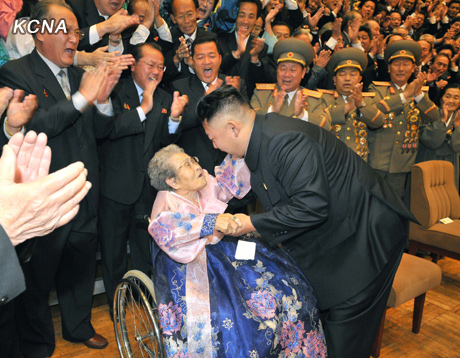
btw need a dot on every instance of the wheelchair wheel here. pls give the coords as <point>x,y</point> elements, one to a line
<point>135,317</point>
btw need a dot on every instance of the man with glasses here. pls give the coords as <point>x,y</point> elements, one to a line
<point>146,115</point>
<point>65,258</point>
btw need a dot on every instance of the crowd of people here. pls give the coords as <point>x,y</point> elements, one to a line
<point>122,81</point>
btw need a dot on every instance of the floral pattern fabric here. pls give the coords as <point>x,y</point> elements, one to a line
<point>212,305</point>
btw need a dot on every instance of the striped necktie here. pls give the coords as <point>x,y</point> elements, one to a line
<point>62,79</point>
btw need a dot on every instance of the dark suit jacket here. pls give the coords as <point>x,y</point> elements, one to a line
<point>242,67</point>
<point>193,137</point>
<point>71,134</point>
<point>12,282</point>
<point>87,15</point>
<point>326,206</point>
<point>126,152</point>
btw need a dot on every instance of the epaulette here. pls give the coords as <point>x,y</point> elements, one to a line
<point>425,88</point>
<point>368,94</point>
<point>326,91</point>
<point>311,93</point>
<point>381,83</point>
<point>265,86</point>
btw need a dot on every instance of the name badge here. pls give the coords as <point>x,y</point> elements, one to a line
<point>245,250</point>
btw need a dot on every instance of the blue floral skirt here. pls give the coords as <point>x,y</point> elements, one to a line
<point>259,308</point>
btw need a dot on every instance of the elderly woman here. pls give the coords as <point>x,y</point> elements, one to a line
<point>440,140</point>
<point>220,296</point>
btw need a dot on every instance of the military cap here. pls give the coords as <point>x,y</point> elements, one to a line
<point>403,49</point>
<point>347,57</point>
<point>294,50</point>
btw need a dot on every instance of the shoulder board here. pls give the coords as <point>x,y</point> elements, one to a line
<point>311,93</point>
<point>266,86</point>
<point>381,83</point>
<point>425,88</point>
<point>326,91</point>
<point>368,94</point>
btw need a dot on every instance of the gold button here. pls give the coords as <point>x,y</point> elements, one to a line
<point>398,132</point>
<point>400,123</point>
<point>348,128</point>
<point>397,142</point>
<point>348,138</point>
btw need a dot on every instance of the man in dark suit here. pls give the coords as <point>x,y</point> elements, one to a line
<point>207,60</point>
<point>178,59</point>
<point>242,54</point>
<point>66,257</point>
<point>140,130</point>
<point>342,224</point>
<point>102,23</point>
<point>51,199</point>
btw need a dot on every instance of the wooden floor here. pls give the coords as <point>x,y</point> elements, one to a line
<point>439,336</point>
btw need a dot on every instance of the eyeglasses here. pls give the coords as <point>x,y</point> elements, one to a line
<point>77,33</point>
<point>190,16</point>
<point>152,65</point>
<point>189,163</point>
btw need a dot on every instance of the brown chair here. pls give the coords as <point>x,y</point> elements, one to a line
<point>434,196</point>
<point>414,277</point>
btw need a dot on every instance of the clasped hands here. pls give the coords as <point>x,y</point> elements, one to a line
<point>233,225</point>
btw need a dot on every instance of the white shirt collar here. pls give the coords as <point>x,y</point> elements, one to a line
<point>206,84</point>
<point>52,66</point>
<point>104,16</point>
<point>192,36</point>
<point>139,90</point>
<point>402,88</point>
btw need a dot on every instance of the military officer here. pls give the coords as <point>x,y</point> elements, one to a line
<point>393,147</point>
<point>287,97</point>
<point>351,109</point>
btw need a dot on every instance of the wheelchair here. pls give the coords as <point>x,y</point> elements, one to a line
<point>135,317</point>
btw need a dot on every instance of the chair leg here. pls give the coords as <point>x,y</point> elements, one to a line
<point>412,248</point>
<point>378,339</point>
<point>434,257</point>
<point>419,303</point>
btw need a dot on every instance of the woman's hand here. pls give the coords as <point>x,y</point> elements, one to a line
<point>227,224</point>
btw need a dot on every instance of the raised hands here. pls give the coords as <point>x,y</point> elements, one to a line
<point>182,52</point>
<point>234,81</point>
<point>300,104</point>
<point>322,59</point>
<point>278,98</point>
<point>178,104</point>
<point>20,110</point>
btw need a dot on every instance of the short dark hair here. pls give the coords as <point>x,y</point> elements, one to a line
<point>448,47</point>
<point>450,86</point>
<point>224,99</point>
<point>454,20</point>
<point>137,49</point>
<point>205,39</point>
<point>42,10</point>
<point>453,2</point>
<point>366,29</point>
<point>440,55</point>
<point>282,23</point>
<point>258,3</point>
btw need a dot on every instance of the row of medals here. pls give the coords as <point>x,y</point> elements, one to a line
<point>360,135</point>
<point>412,129</point>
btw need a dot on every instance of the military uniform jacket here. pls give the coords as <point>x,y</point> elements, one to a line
<point>393,147</point>
<point>438,142</point>
<point>262,99</point>
<point>351,127</point>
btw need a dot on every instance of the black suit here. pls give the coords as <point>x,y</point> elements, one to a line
<point>69,253</point>
<point>126,193</point>
<point>243,67</point>
<point>342,224</point>
<point>87,15</point>
<point>193,137</point>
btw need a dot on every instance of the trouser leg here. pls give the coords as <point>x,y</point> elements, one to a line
<point>351,326</point>
<point>75,285</point>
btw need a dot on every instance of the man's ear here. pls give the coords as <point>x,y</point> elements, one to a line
<point>173,19</point>
<point>172,183</point>
<point>234,126</point>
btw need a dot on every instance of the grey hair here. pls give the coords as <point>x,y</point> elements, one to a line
<point>43,9</point>
<point>160,167</point>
